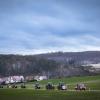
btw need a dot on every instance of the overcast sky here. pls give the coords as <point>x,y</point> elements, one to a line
<point>41,26</point>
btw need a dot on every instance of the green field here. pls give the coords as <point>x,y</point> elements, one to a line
<point>47,95</point>
<point>91,82</point>
<point>92,92</point>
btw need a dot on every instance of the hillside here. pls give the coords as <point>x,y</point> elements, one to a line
<point>86,57</point>
<point>51,64</point>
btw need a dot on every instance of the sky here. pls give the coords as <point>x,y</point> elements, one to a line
<point>44,26</point>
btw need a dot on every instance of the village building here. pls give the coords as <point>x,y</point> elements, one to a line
<point>94,68</point>
<point>39,78</point>
<point>12,79</point>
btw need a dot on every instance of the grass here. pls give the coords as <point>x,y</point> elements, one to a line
<point>25,94</point>
<point>70,80</point>
<point>92,82</point>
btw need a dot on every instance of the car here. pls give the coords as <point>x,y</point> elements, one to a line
<point>80,86</point>
<point>50,86</point>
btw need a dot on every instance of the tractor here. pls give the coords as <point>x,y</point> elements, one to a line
<point>80,86</point>
<point>50,86</point>
<point>1,86</point>
<point>23,85</point>
<point>14,86</point>
<point>62,86</point>
<point>37,86</point>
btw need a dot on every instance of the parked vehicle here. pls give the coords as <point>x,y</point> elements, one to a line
<point>37,86</point>
<point>50,86</point>
<point>62,86</point>
<point>80,86</point>
<point>14,86</point>
<point>23,85</point>
<point>8,86</point>
<point>1,86</point>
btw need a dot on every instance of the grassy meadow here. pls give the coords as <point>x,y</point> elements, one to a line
<point>29,93</point>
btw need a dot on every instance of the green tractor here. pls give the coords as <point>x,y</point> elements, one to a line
<point>37,86</point>
<point>62,86</point>
<point>1,86</point>
<point>23,85</point>
<point>14,86</point>
<point>50,86</point>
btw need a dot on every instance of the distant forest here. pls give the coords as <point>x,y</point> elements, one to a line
<point>57,64</point>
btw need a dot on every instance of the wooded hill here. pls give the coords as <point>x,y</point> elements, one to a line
<point>57,64</point>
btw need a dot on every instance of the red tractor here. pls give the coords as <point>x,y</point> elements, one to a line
<point>80,86</point>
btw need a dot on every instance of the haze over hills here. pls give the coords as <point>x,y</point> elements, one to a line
<point>78,57</point>
<point>58,64</point>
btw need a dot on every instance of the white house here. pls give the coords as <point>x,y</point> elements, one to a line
<point>95,68</point>
<point>18,78</point>
<point>39,78</point>
<point>12,79</point>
